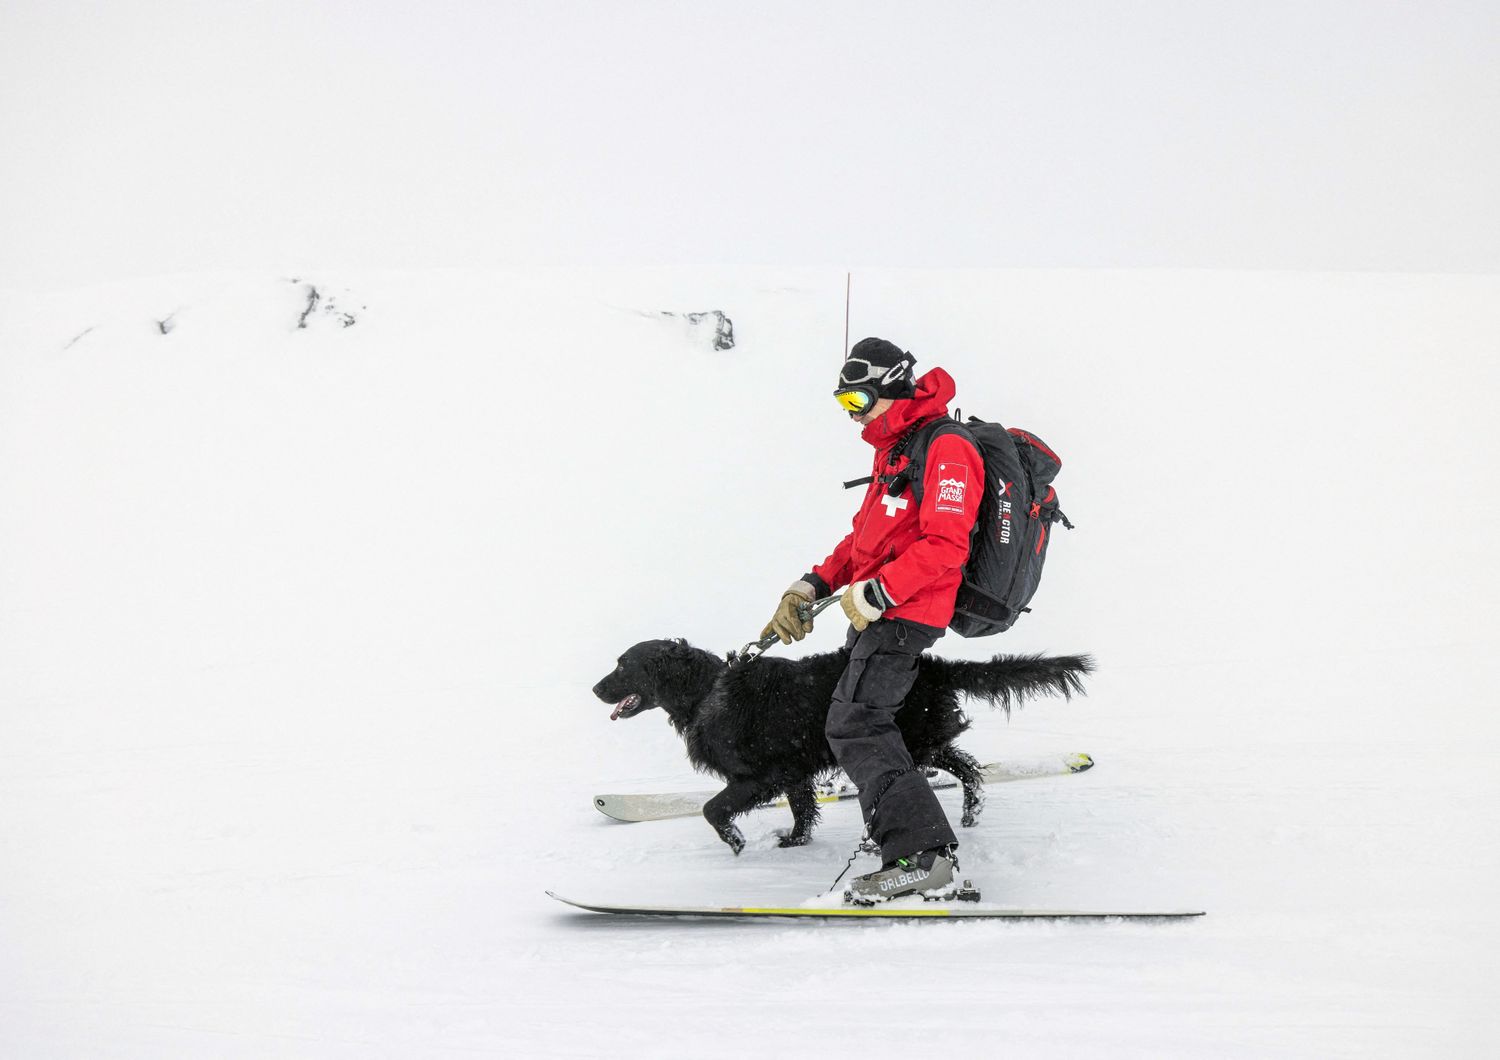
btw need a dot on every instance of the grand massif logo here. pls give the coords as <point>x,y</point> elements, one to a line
<point>953,486</point>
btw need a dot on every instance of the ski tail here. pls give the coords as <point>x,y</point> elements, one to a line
<point>1007,681</point>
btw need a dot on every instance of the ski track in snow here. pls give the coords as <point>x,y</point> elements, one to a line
<point>297,627</point>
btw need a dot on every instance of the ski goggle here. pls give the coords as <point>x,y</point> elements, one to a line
<point>857,401</point>
<point>855,371</point>
<point>858,370</point>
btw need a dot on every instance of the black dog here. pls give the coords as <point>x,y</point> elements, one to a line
<point>758,724</point>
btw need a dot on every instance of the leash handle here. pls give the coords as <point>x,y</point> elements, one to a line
<point>807,613</point>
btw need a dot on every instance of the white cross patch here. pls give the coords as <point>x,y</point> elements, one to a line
<point>893,504</point>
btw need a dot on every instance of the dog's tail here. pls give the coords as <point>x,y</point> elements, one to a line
<point>1009,680</point>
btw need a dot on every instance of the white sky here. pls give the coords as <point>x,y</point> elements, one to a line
<point>165,136</point>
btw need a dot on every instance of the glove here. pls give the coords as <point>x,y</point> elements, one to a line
<point>864,602</point>
<point>787,623</point>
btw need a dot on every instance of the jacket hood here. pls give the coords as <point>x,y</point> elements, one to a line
<point>933,392</point>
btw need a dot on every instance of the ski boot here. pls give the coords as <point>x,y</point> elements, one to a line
<point>930,874</point>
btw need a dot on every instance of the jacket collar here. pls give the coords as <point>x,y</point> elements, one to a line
<point>933,392</point>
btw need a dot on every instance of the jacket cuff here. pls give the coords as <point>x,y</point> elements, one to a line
<point>817,586</point>
<point>859,596</point>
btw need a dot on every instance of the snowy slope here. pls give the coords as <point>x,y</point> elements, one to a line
<point>297,627</point>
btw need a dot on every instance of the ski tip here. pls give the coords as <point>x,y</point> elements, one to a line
<point>1077,763</point>
<point>605,804</point>
<point>616,808</point>
<point>565,901</point>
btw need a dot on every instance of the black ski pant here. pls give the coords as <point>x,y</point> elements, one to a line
<point>902,812</point>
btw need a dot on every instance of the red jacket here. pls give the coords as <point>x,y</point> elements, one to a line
<point>917,554</point>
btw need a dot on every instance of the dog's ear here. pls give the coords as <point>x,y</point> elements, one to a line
<point>680,651</point>
<point>679,666</point>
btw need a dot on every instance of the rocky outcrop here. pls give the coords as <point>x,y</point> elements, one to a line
<point>714,322</point>
<point>322,304</point>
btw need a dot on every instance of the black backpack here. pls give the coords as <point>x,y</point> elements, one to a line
<point>1008,545</point>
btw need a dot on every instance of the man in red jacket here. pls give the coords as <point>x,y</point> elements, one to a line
<point>902,565</point>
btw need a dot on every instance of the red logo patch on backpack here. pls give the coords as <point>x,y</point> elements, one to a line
<point>953,485</point>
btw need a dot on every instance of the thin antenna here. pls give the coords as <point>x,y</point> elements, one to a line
<point>848,283</point>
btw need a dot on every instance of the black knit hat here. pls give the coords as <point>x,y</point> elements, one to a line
<point>880,366</point>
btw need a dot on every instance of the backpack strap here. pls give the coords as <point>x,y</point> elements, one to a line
<point>921,441</point>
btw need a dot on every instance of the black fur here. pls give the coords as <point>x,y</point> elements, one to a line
<point>758,725</point>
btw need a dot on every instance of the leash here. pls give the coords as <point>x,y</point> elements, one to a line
<point>806,612</point>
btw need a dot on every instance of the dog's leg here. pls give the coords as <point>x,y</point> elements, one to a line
<point>739,797</point>
<point>965,769</point>
<point>804,815</point>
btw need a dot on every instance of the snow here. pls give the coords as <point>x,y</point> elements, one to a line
<point>297,628</point>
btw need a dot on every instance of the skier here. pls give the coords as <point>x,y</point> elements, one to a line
<point>902,565</point>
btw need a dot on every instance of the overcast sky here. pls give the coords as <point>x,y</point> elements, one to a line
<point>167,135</point>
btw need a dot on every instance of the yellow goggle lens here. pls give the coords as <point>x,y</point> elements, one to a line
<point>853,400</point>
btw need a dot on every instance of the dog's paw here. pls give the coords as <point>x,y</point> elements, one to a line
<point>969,820</point>
<point>791,839</point>
<point>734,838</point>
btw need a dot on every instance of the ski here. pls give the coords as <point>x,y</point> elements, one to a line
<point>891,911</point>
<point>666,805</point>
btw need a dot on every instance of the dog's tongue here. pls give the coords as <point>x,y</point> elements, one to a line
<point>624,704</point>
